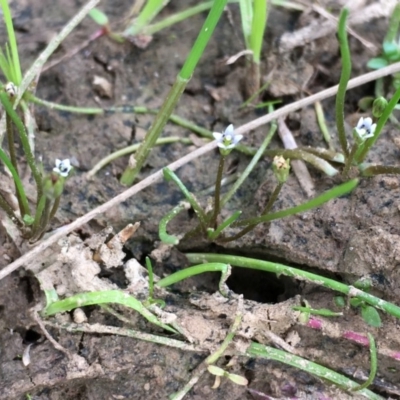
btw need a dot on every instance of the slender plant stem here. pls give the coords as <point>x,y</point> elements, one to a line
<point>38,216</point>
<point>344,79</point>
<point>313,203</point>
<point>13,159</point>
<point>192,271</point>
<point>322,125</point>
<point>349,160</point>
<point>55,207</point>
<point>10,212</point>
<point>276,268</point>
<point>259,350</point>
<point>151,29</point>
<point>25,142</point>
<point>251,165</point>
<point>372,170</point>
<point>260,15</point>
<point>374,364</point>
<point>213,234</point>
<point>13,41</point>
<point>17,181</point>
<point>162,227</point>
<point>131,149</point>
<point>176,91</point>
<point>170,175</point>
<point>153,134</point>
<point>217,192</point>
<point>266,210</point>
<point>150,10</point>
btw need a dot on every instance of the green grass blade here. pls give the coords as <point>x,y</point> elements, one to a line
<point>103,297</point>
<point>313,203</point>
<point>12,40</point>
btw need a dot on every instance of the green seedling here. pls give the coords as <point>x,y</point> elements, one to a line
<point>254,14</point>
<point>14,95</point>
<point>103,297</point>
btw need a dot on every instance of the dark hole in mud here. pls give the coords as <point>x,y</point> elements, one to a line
<point>31,336</point>
<point>27,284</point>
<point>259,286</point>
<point>115,275</point>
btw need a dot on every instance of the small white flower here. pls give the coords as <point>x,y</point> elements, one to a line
<point>63,167</point>
<point>365,128</point>
<point>228,139</point>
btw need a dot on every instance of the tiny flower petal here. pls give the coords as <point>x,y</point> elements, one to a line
<point>63,167</point>
<point>217,136</point>
<point>227,140</point>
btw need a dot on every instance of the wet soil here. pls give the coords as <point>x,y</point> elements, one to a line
<point>356,236</point>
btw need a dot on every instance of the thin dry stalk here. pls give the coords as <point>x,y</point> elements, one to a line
<point>299,166</point>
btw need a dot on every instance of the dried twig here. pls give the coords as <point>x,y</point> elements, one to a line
<point>315,31</point>
<point>299,166</point>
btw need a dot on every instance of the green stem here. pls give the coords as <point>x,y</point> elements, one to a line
<point>131,149</point>
<point>217,192</point>
<point>374,365</point>
<point>162,227</point>
<point>103,297</point>
<point>177,89</point>
<point>379,126</point>
<point>313,203</point>
<point>17,181</point>
<point>13,159</point>
<point>25,142</point>
<point>393,27</point>
<point>270,353</point>
<point>170,175</point>
<point>192,271</point>
<point>10,212</point>
<point>299,154</point>
<point>251,165</point>
<point>213,234</point>
<point>260,15</point>
<point>175,18</point>
<point>12,40</point>
<point>372,170</point>
<point>146,15</point>
<point>127,109</point>
<point>322,125</point>
<point>153,134</point>
<point>349,160</point>
<point>266,210</point>
<point>280,269</point>
<point>38,216</point>
<point>344,79</point>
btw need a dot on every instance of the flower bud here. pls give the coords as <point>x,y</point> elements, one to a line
<point>281,168</point>
<point>378,106</point>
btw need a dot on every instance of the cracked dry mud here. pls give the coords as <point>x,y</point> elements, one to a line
<point>351,237</point>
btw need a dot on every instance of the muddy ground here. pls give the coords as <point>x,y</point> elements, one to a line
<point>349,238</point>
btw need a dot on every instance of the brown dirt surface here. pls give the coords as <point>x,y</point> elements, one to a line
<point>355,236</point>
